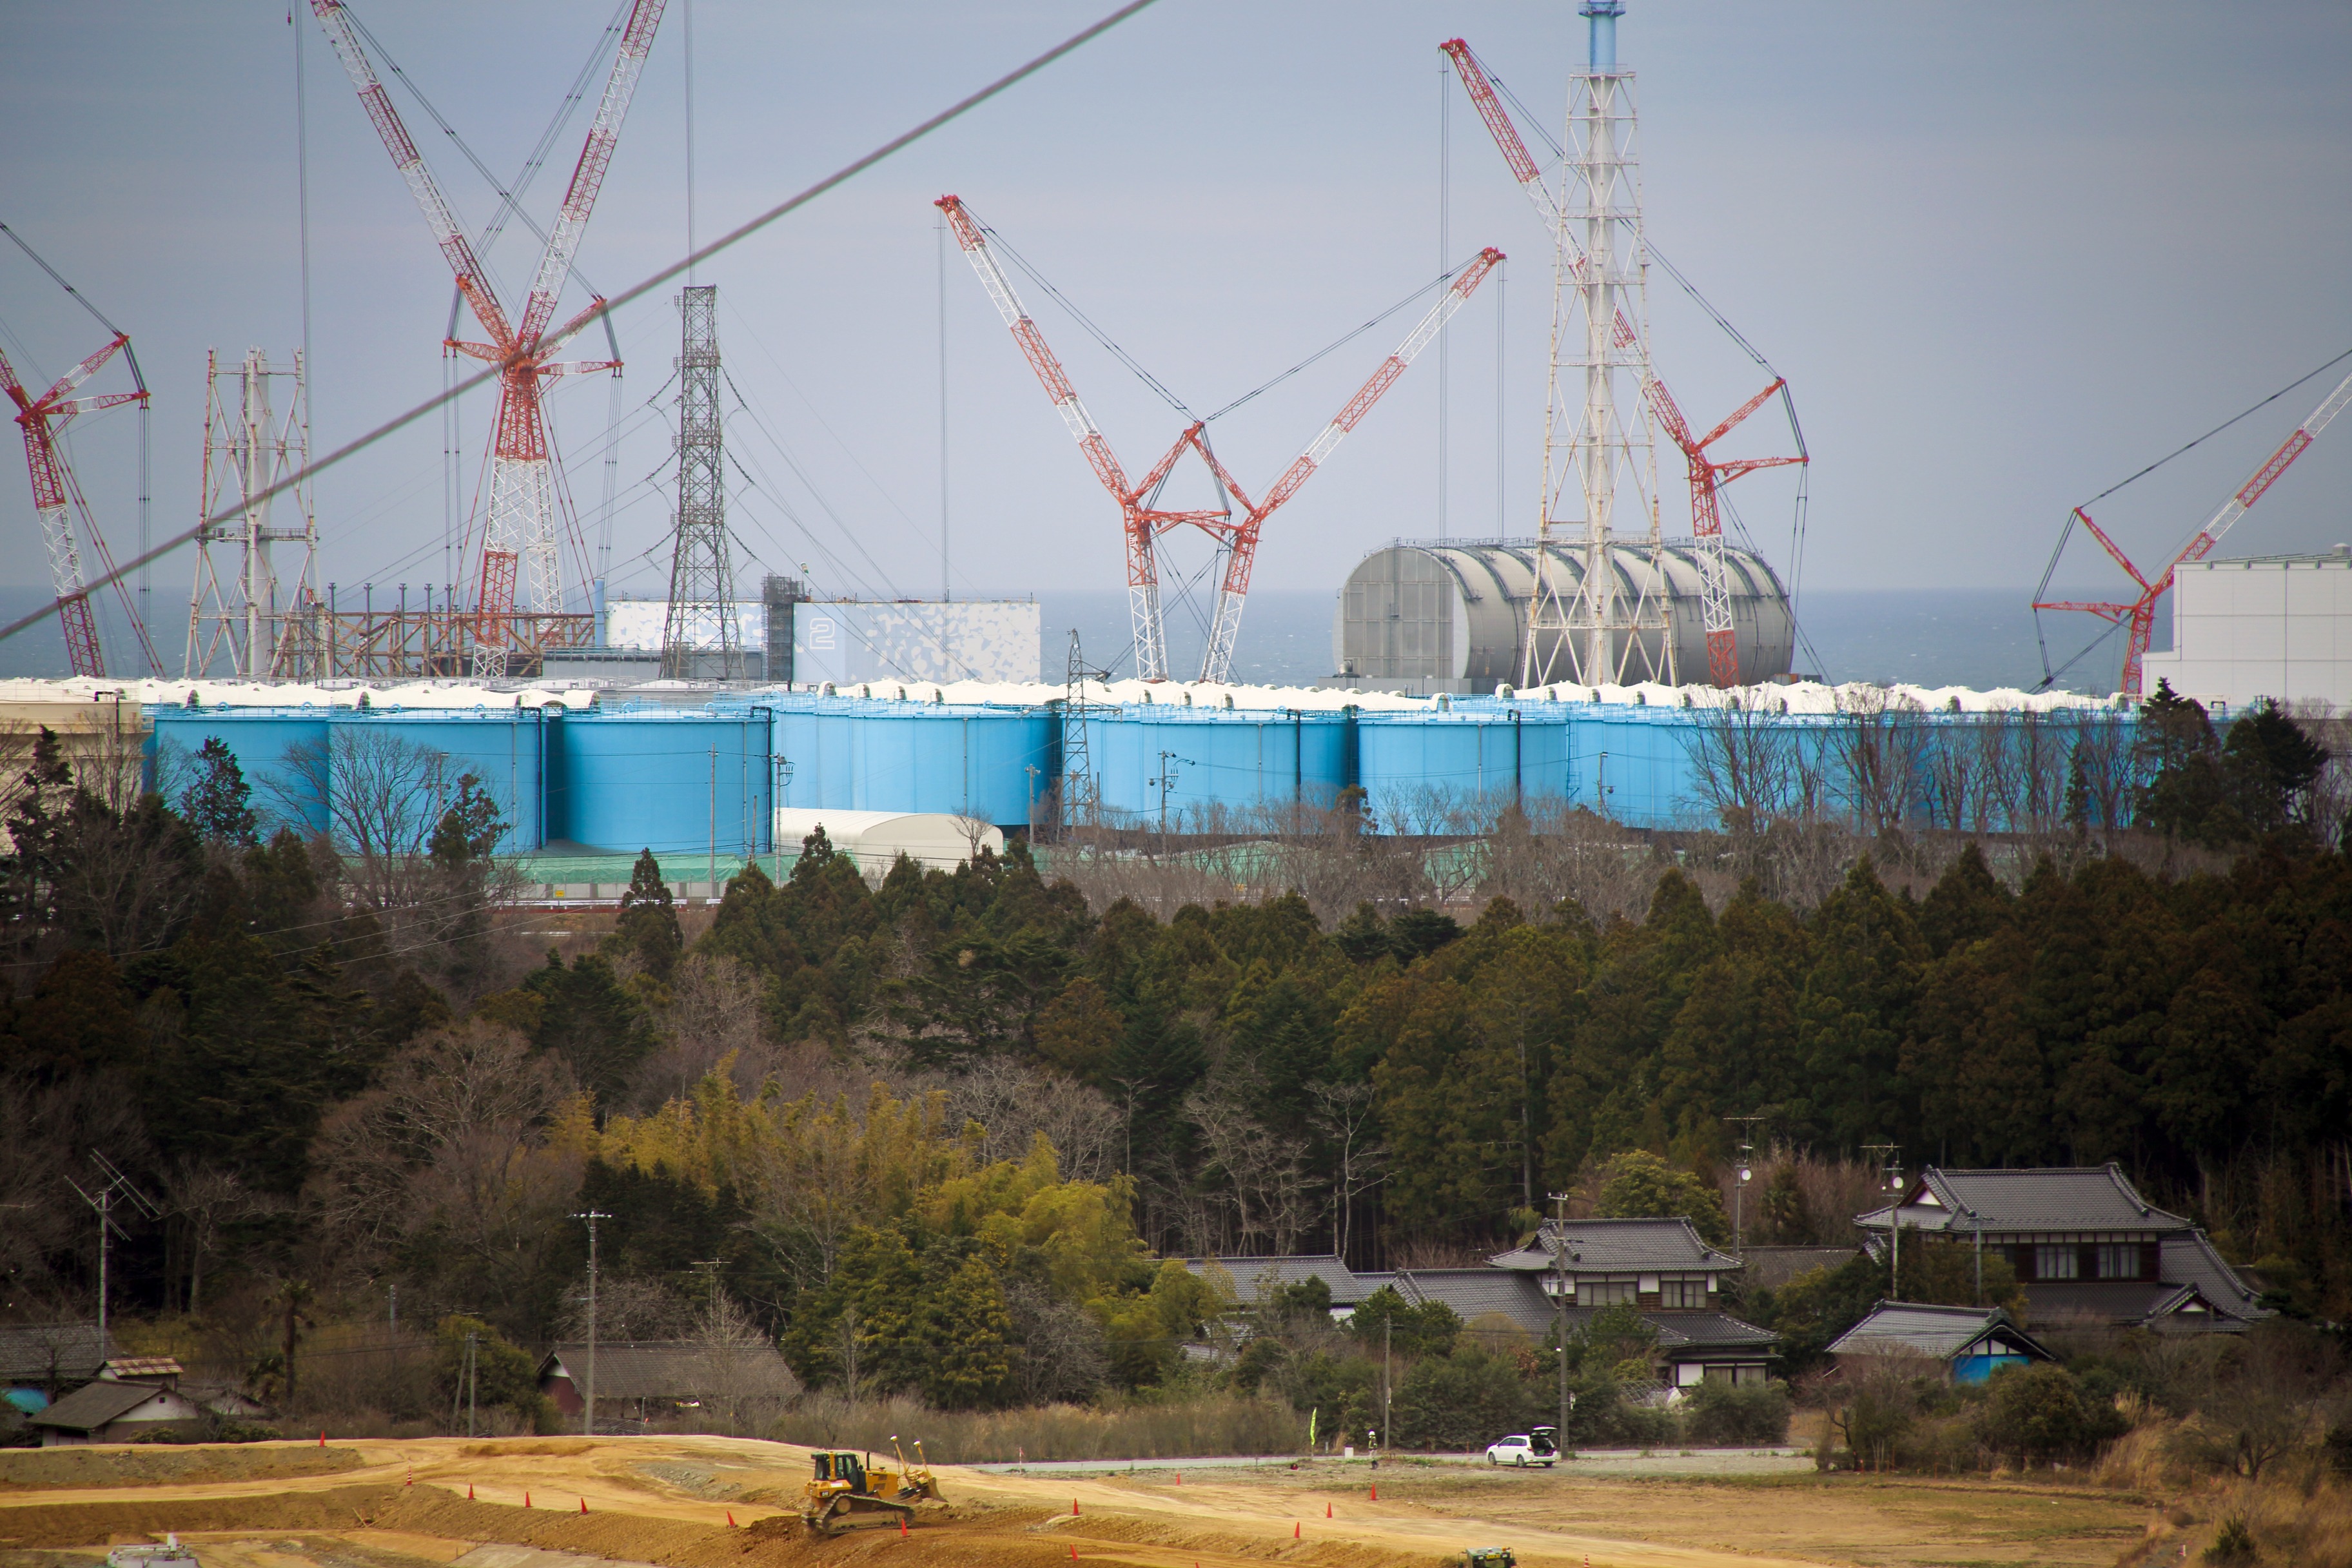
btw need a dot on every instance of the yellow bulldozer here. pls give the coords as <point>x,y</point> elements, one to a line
<point>848,1491</point>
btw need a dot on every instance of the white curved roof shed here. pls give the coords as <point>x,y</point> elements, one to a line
<point>875,839</point>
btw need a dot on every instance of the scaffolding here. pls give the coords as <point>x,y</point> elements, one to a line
<point>246,621</point>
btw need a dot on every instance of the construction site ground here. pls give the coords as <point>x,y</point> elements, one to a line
<point>669,1501</point>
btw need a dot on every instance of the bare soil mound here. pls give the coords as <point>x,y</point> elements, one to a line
<point>74,1470</point>
<point>144,1519</point>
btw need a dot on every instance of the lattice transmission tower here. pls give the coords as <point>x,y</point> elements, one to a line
<point>699,636</point>
<point>1599,437</point>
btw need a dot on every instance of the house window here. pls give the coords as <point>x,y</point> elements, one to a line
<point>2119,1260</point>
<point>2058,1263</point>
<point>1673,1292</point>
<point>1606,1293</point>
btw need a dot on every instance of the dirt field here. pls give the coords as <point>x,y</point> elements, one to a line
<point>667,1501</point>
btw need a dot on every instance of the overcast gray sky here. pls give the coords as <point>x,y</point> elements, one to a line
<point>2005,254</point>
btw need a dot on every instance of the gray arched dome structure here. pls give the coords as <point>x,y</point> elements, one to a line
<point>1431,617</point>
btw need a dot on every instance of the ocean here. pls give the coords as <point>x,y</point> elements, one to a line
<point>1980,637</point>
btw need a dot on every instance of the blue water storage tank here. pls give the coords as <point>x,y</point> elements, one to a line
<point>670,781</point>
<point>261,740</point>
<point>299,760</point>
<point>1634,764</point>
<point>1233,759</point>
<point>1481,756</point>
<point>850,753</point>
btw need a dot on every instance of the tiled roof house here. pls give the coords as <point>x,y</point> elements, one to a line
<point>2085,1245</point>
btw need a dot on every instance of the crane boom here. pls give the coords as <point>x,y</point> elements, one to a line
<point>520,521</point>
<point>1232,591</point>
<point>55,494</point>
<point>588,175</point>
<point>1050,373</point>
<point>1490,104</point>
<point>447,232</point>
<point>2140,613</point>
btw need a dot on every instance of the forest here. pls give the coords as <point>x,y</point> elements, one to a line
<point>937,1134</point>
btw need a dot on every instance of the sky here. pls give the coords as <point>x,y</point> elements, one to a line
<point>2005,255</point>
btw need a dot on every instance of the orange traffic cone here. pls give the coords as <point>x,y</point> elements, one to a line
<point>412,1477</point>
<point>1294,1530</point>
<point>902,1526</point>
<point>731,1519</point>
<point>583,1505</point>
<point>1073,1508</point>
<point>322,1437</point>
<point>1376,1491</point>
<point>469,1491</point>
<point>1179,1477</point>
<point>526,1500</point>
<point>1327,1510</point>
<point>1074,1554</point>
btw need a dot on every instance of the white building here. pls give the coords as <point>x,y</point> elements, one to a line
<point>807,641</point>
<point>2276,625</point>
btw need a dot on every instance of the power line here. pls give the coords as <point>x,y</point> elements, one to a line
<point>485,377</point>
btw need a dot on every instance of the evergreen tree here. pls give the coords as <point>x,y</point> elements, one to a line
<point>647,922</point>
<point>218,805</point>
<point>2273,763</point>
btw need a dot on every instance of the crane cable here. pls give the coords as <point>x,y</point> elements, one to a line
<point>2049,676</point>
<point>628,296</point>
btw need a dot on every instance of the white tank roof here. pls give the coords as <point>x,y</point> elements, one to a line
<point>1800,697</point>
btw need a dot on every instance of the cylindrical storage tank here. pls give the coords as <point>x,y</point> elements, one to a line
<point>850,753</point>
<point>674,782</point>
<point>1634,763</point>
<point>504,749</point>
<point>1454,617</point>
<point>1213,759</point>
<point>278,749</point>
<point>1419,770</point>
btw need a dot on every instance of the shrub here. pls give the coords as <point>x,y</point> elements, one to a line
<point>2037,1413</point>
<point>2233,1542</point>
<point>1723,1416</point>
<point>1462,1401</point>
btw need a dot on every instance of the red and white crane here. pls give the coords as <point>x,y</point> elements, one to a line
<point>2140,613</point>
<point>1708,476</point>
<point>520,529</point>
<point>1142,522</point>
<point>56,496</point>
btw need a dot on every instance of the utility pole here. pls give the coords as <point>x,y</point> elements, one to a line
<point>1893,1169</point>
<point>1167,777</point>
<point>1559,1306</point>
<point>588,1401</point>
<point>1387,1370</point>
<point>1746,1173</point>
<point>117,1186</point>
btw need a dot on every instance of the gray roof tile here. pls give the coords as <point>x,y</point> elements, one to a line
<point>2062,1198</point>
<point>1626,1246</point>
<point>1473,1294</point>
<point>93,1405</point>
<point>1939,1331</point>
<point>1253,1276</point>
